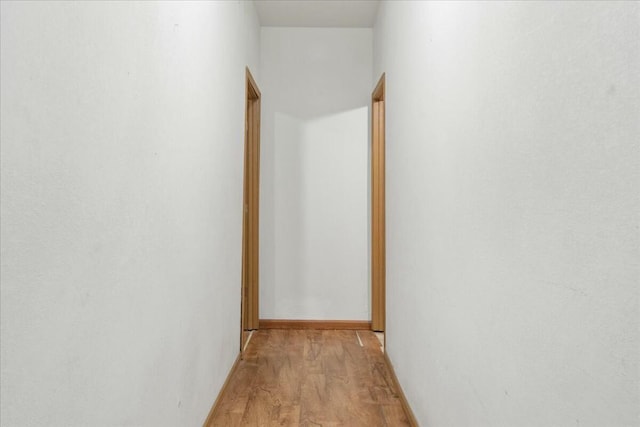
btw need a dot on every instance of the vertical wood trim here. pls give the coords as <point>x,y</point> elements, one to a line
<point>378,244</point>
<point>254,202</point>
<point>256,289</point>
<point>383,214</point>
<point>253,315</point>
<point>252,210</point>
<point>245,228</point>
<point>251,214</point>
<point>375,240</point>
<point>249,307</point>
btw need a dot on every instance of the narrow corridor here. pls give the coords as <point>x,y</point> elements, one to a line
<point>311,378</point>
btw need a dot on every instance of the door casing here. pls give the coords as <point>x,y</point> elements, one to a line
<point>378,230</point>
<point>250,212</point>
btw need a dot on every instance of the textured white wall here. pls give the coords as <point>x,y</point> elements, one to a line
<point>513,202</point>
<point>316,84</point>
<point>122,152</point>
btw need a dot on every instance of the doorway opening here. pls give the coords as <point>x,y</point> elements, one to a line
<point>378,249</point>
<point>250,214</point>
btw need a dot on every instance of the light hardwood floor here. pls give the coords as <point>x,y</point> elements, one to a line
<point>310,378</point>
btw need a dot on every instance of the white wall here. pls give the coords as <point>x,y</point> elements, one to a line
<point>122,152</point>
<point>316,84</point>
<point>321,226</point>
<point>513,200</point>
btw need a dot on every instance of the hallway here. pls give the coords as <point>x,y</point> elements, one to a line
<point>492,233</point>
<point>308,378</point>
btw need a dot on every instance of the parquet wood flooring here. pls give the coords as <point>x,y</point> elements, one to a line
<point>311,378</point>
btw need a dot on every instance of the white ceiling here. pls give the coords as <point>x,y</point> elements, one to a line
<point>317,13</point>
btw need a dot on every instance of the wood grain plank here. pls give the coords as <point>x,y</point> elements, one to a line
<point>306,377</point>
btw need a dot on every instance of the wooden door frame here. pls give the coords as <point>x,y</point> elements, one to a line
<point>249,296</point>
<point>378,226</point>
